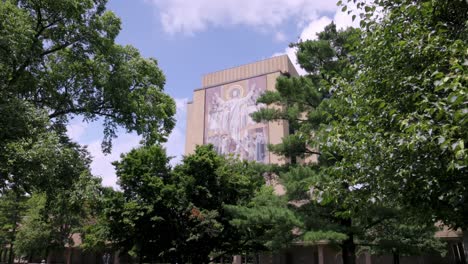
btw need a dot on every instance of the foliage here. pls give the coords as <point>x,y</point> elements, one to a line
<point>34,159</point>
<point>61,56</point>
<point>34,233</point>
<point>340,199</point>
<point>96,231</point>
<point>404,235</point>
<point>26,145</point>
<point>402,126</point>
<point>138,215</point>
<point>211,183</point>
<point>51,221</point>
<point>265,222</point>
<point>59,59</point>
<point>43,164</point>
<point>12,209</point>
<point>178,215</point>
<point>307,104</point>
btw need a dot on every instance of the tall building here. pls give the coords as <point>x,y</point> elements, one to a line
<point>220,111</point>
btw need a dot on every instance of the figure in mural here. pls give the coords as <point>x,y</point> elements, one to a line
<point>231,115</point>
<point>260,147</point>
<point>229,126</point>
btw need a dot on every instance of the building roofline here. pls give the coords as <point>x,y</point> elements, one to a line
<point>237,80</point>
<point>233,67</point>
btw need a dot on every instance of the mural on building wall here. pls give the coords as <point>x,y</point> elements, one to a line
<point>228,125</point>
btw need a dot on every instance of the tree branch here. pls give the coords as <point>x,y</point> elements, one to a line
<point>376,222</point>
<point>313,152</point>
<point>60,47</point>
<point>79,111</point>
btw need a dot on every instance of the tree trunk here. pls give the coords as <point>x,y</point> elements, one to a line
<point>47,255</point>
<point>11,255</point>
<point>465,243</point>
<point>13,233</point>
<point>30,257</point>
<point>68,255</point>
<point>257,258</point>
<point>348,250</point>
<point>396,257</point>
<point>140,257</point>
<point>116,257</point>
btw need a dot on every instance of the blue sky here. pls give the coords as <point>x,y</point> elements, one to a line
<point>192,38</point>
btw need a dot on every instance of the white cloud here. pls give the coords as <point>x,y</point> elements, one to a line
<point>196,15</point>
<point>181,105</point>
<point>341,19</point>
<point>175,144</point>
<point>76,129</point>
<point>314,27</point>
<point>280,36</point>
<point>102,164</point>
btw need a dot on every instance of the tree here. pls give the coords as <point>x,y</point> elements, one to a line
<point>53,217</point>
<point>179,215</point>
<point>58,59</point>
<point>306,103</point>
<point>402,129</point>
<point>33,159</point>
<point>212,183</point>
<point>26,145</point>
<point>12,209</point>
<point>37,160</point>
<point>96,231</point>
<point>140,214</point>
<point>61,56</point>
<point>265,223</point>
<point>313,105</point>
<point>34,234</point>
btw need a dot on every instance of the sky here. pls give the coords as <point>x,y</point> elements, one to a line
<point>190,38</point>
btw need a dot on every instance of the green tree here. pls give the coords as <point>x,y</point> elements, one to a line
<point>307,104</point>
<point>26,146</point>
<point>402,129</point>
<point>61,56</point>
<point>211,183</point>
<point>266,223</point>
<point>313,106</point>
<point>141,212</point>
<point>38,160</point>
<point>12,208</point>
<point>179,215</point>
<point>96,231</point>
<point>59,59</point>
<point>33,159</point>
<point>34,233</point>
<point>54,217</point>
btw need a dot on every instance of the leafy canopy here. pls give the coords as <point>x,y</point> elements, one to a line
<point>61,56</point>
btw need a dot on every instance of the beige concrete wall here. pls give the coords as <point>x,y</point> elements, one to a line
<point>291,69</point>
<point>274,64</point>
<point>277,129</point>
<point>271,67</point>
<point>195,122</point>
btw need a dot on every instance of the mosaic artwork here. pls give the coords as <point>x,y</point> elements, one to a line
<point>228,125</point>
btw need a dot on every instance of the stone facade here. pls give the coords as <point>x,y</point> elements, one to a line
<point>205,125</point>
